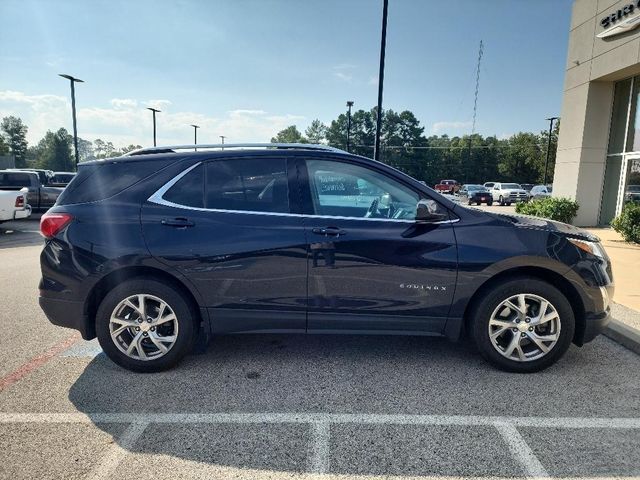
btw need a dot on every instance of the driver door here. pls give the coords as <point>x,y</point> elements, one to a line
<point>371,266</point>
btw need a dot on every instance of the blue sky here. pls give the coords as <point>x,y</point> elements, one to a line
<point>247,68</point>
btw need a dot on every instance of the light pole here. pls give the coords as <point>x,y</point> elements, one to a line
<point>546,162</point>
<point>73,81</point>
<point>383,45</point>
<point>195,135</point>
<point>154,110</point>
<point>349,105</point>
<point>222,137</point>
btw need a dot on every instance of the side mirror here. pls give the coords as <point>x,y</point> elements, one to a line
<point>427,212</point>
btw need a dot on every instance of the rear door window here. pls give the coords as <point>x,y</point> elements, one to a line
<point>248,184</point>
<point>189,190</point>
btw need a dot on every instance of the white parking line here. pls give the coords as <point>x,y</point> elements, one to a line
<point>391,419</point>
<point>321,425</point>
<point>521,451</point>
<point>320,437</point>
<point>118,451</point>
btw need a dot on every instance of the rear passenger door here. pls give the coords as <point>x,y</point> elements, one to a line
<point>227,225</point>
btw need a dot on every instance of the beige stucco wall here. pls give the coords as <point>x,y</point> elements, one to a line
<point>593,65</point>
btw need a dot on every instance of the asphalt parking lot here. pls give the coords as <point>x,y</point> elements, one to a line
<point>277,406</point>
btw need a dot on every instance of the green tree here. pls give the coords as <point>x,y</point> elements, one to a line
<point>104,149</point>
<point>291,134</point>
<point>16,137</point>
<point>4,148</point>
<point>85,150</point>
<point>521,161</point>
<point>316,132</point>
<point>55,151</point>
<point>129,148</point>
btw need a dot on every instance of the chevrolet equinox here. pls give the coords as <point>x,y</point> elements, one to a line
<point>164,247</point>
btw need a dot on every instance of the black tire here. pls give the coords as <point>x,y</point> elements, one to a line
<point>489,203</point>
<point>501,201</point>
<point>185,315</point>
<point>483,309</point>
<point>508,204</point>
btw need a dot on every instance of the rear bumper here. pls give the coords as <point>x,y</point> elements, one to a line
<point>68,314</point>
<point>24,213</point>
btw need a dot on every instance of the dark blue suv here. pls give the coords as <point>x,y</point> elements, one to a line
<point>156,250</point>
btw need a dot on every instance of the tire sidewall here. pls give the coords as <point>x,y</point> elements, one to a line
<point>175,300</point>
<point>490,301</point>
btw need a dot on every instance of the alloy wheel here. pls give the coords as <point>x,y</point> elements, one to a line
<point>524,327</point>
<point>143,327</point>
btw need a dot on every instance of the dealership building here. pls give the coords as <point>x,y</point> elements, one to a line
<point>598,158</point>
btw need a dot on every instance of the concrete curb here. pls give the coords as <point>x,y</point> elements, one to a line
<point>623,334</point>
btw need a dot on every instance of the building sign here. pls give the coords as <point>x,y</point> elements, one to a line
<point>622,20</point>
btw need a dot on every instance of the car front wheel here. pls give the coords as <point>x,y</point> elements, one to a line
<point>523,325</point>
<point>145,326</point>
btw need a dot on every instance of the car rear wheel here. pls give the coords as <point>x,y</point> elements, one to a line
<point>145,326</point>
<point>501,200</point>
<point>489,203</point>
<point>523,325</point>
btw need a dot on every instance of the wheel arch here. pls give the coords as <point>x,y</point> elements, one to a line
<point>114,278</point>
<point>546,275</point>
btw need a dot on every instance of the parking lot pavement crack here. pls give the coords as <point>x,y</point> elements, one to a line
<point>521,451</point>
<point>118,451</point>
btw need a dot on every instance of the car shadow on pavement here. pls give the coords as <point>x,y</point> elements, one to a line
<point>296,374</point>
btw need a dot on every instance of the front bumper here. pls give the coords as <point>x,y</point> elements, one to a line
<point>594,325</point>
<point>65,313</point>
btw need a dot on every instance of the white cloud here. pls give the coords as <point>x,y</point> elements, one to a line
<point>442,127</point>
<point>344,71</point>
<point>373,80</point>
<point>126,121</point>
<point>123,103</point>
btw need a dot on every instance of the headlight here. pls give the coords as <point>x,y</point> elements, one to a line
<point>594,248</point>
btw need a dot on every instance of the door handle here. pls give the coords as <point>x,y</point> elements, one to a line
<point>328,231</point>
<point>177,222</point>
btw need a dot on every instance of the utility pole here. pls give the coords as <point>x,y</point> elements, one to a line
<point>154,110</point>
<point>349,104</point>
<point>383,46</point>
<point>546,162</point>
<point>195,135</point>
<point>73,112</point>
<point>475,110</point>
<point>222,137</point>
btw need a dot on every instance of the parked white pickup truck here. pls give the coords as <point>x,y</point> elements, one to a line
<point>13,205</point>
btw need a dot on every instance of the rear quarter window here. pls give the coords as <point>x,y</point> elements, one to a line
<point>98,181</point>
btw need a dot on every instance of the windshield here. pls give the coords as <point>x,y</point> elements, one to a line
<point>511,186</point>
<point>475,187</point>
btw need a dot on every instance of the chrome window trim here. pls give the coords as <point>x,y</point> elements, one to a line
<point>158,199</point>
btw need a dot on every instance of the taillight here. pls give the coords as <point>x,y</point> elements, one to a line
<point>52,223</point>
<point>20,201</point>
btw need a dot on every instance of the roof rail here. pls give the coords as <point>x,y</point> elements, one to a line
<point>220,146</point>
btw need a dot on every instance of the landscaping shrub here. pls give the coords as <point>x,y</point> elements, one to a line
<point>559,209</point>
<point>627,223</point>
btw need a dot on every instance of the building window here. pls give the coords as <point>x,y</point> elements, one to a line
<point>619,116</point>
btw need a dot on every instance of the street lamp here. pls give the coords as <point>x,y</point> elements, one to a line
<point>349,104</point>
<point>222,137</point>
<point>195,135</point>
<point>154,110</point>
<point>546,162</point>
<point>73,81</point>
<point>383,44</point>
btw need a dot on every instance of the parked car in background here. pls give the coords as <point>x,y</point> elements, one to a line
<point>13,205</point>
<point>62,178</point>
<point>475,194</point>
<point>40,196</point>
<point>540,191</point>
<point>447,186</point>
<point>508,193</point>
<point>175,247</point>
<point>632,194</point>
<point>44,175</point>
<point>489,185</point>
<point>527,187</point>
